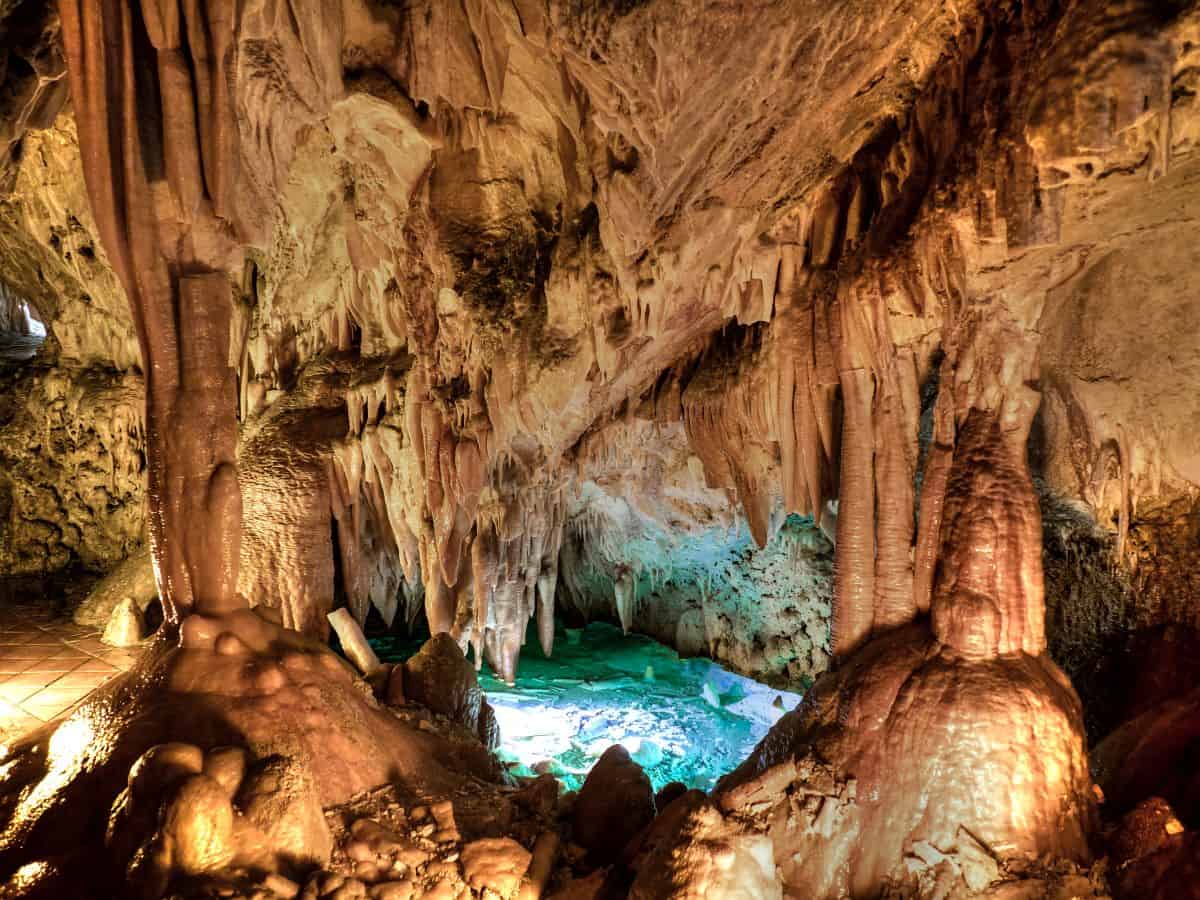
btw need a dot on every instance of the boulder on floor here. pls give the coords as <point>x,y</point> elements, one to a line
<point>615,803</point>
<point>440,678</point>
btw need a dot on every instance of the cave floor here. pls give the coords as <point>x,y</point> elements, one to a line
<point>48,664</point>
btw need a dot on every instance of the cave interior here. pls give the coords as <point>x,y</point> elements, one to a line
<point>598,449</point>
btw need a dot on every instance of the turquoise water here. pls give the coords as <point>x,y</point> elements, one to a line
<point>684,720</point>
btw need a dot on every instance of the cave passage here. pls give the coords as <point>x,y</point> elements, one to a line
<point>685,720</point>
<point>819,343</point>
<point>22,331</point>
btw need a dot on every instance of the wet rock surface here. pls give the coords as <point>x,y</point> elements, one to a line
<point>440,678</point>
<point>727,323</point>
<point>614,804</point>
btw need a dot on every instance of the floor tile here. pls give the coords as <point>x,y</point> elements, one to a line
<point>28,651</point>
<point>9,711</point>
<point>53,665</point>
<point>67,652</point>
<point>14,666</point>
<point>48,666</point>
<point>46,713</point>
<point>84,679</point>
<point>13,727</point>
<point>96,665</point>
<point>14,690</point>
<point>56,696</point>
<point>91,645</point>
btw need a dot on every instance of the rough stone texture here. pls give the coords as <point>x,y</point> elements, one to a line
<point>71,469</point>
<point>521,292</point>
<point>892,742</point>
<point>339,261</point>
<point>719,859</point>
<point>614,804</point>
<point>440,678</point>
<point>72,433</point>
<point>132,579</point>
<point>497,865</point>
<point>238,680</point>
<point>125,627</point>
<point>53,256</point>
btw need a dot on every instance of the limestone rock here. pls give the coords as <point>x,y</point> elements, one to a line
<point>133,578</point>
<point>715,858</point>
<point>439,677</point>
<point>496,864</point>
<point>279,798</point>
<point>832,833</point>
<point>607,308</point>
<point>668,793</point>
<point>614,804</point>
<point>125,627</point>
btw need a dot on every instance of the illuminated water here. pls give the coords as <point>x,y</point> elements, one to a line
<point>684,720</point>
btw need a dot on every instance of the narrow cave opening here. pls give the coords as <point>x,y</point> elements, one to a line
<point>22,331</point>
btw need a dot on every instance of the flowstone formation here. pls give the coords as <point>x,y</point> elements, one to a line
<point>769,329</point>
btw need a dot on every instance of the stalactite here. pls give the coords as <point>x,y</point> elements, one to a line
<point>624,591</point>
<point>484,574</point>
<point>730,412</point>
<point>854,562</point>
<point>547,584</point>
<point>801,456</point>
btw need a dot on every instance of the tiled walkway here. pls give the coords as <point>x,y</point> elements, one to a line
<point>47,665</point>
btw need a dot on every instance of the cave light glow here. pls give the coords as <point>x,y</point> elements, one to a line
<point>686,720</point>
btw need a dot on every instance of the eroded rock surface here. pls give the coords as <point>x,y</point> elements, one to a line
<point>723,321</point>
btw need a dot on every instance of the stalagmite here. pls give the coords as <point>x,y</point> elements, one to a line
<point>354,642</point>
<point>175,272</point>
<point>991,604</point>
<point>896,427</point>
<point>125,626</point>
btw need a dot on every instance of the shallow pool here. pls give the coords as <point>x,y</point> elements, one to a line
<point>684,720</point>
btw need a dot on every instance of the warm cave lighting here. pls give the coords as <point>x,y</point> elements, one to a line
<point>779,420</point>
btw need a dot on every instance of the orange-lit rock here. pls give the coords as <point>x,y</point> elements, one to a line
<point>482,313</point>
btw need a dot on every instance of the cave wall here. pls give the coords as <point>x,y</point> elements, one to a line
<point>1121,355</point>
<point>500,258</point>
<point>534,252</point>
<point>732,328</point>
<point>71,419</point>
<point>71,471</point>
